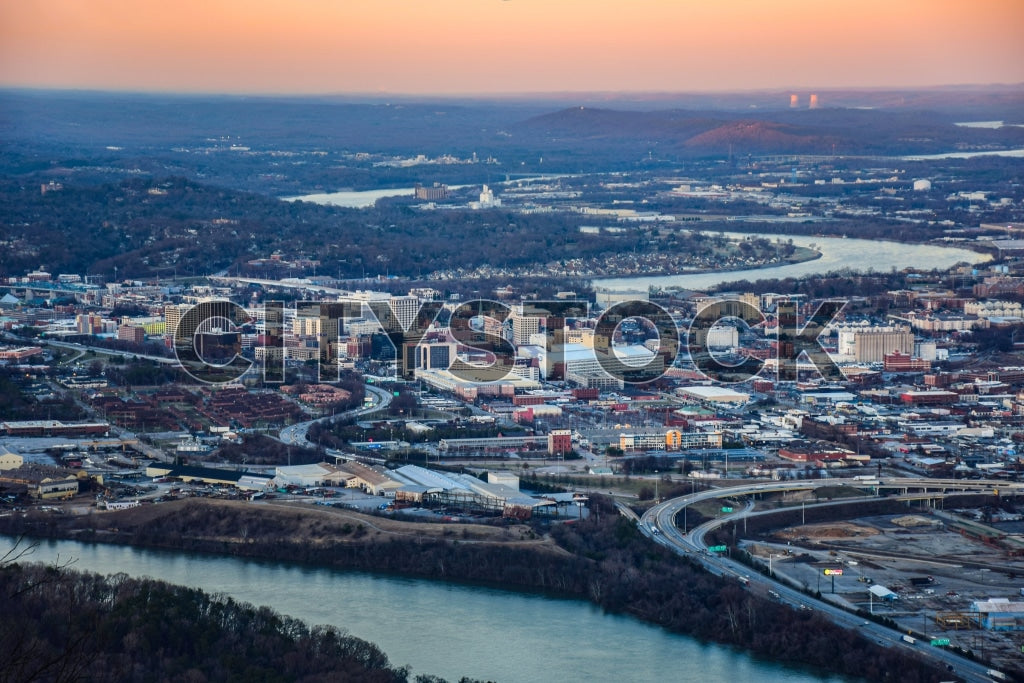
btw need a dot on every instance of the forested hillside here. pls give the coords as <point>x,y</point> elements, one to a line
<point>60,625</point>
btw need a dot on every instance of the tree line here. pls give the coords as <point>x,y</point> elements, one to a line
<point>63,625</point>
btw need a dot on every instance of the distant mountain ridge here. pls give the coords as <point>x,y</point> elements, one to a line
<point>797,131</point>
<point>288,146</point>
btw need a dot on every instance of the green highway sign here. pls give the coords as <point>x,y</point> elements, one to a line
<point>940,642</point>
<point>717,549</point>
<point>396,393</point>
<point>726,509</point>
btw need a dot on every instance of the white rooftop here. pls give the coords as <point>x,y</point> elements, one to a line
<point>881,591</point>
<point>711,393</point>
<point>314,470</point>
<point>998,605</point>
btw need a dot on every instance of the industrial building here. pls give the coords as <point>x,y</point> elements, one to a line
<point>882,593</point>
<point>369,479</point>
<point>465,492</point>
<point>999,614</point>
<point>10,460</point>
<point>495,443</point>
<point>469,390</point>
<point>710,394</point>
<point>437,192</point>
<point>247,481</point>
<point>43,481</point>
<point>318,474</point>
<point>870,343</point>
<point>819,453</point>
<point>52,428</point>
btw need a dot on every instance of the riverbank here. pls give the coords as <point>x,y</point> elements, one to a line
<point>602,559</point>
<point>653,253</point>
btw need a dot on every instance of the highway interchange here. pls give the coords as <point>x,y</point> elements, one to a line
<point>658,523</point>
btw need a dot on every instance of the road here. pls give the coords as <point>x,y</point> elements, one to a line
<point>99,349</point>
<point>658,523</point>
<point>295,435</point>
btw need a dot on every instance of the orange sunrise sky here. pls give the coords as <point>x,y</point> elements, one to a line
<point>506,46</point>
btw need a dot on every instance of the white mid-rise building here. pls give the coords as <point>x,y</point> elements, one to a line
<point>863,343</point>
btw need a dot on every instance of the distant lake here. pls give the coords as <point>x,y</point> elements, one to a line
<point>836,254</point>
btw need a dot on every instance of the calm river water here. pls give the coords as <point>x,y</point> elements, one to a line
<point>836,254</point>
<point>444,629</point>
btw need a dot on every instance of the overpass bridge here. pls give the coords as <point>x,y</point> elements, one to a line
<point>658,524</point>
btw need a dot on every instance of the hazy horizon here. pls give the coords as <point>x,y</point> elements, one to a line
<point>653,95</point>
<point>496,48</point>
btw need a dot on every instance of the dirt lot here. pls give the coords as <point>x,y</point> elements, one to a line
<point>827,531</point>
<point>237,521</point>
<point>951,572</point>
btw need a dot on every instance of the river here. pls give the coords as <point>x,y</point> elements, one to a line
<point>357,199</point>
<point>353,199</point>
<point>449,630</point>
<point>966,155</point>
<point>836,254</point>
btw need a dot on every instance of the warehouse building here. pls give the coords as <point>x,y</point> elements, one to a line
<point>10,460</point>
<point>466,492</point>
<point>246,481</point>
<point>369,479</point>
<point>43,481</point>
<point>318,474</point>
<point>52,428</point>
<point>713,395</point>
<point>495,443</point>
<point>999,614</point>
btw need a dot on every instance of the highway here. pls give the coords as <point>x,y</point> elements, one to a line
<point>96,349</point>
<point>295,435</point>
<point>658,523</point>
